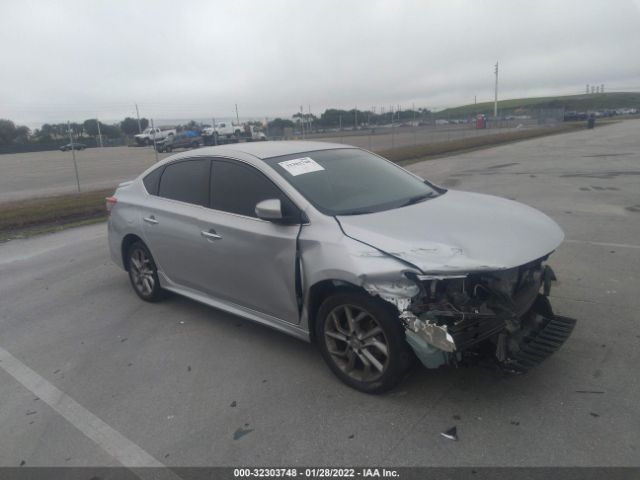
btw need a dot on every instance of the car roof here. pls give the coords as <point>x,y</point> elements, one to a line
<point>250,152</point>
<point>270,149</point>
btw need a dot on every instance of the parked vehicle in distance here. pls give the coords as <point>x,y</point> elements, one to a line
<point>73,146</point>
<point>224,129</point>
<point>188,139</point>
<point>148,136</point>
<point>338,246</point>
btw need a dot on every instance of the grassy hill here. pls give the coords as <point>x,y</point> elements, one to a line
<point>579,103</point>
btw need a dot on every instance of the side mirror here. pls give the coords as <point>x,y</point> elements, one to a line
<point>270,209</point>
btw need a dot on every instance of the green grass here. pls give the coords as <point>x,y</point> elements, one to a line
<point>39,215</point>
<point>580,103</point>
<point>424,152</point>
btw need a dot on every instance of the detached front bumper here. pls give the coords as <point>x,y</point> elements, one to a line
<point>515,327</point>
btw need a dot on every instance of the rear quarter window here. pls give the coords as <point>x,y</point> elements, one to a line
<point>152,181</point>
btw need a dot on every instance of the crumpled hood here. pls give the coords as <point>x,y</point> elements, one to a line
<point>459,232</point>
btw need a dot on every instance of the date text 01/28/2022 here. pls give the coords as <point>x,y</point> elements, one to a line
<point>315,472</point>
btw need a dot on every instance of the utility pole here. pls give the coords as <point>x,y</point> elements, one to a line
<point>355,121</point>
<point>138,115</point>
<point>237,117</point>
<point>73,153</point>
<point>215,132</point>
<point>310,120</point>
<point>99,134</point>
<point>155,148</point>
<point>302,120</point>
<point>495,101</point>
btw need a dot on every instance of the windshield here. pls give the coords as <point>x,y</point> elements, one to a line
<point>350,181</point>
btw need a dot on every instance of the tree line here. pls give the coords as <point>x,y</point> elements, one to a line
<point>10,133</point>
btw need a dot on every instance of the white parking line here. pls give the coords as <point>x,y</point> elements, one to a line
<point>604,244</point>
<point>115,444</point>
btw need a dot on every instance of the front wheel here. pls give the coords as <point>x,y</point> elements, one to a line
<point>143,273</point>
<point>362,340</point>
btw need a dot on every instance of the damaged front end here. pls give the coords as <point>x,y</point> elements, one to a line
<point>502,315</point>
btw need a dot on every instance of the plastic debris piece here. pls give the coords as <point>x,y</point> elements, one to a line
<point>451,434</point>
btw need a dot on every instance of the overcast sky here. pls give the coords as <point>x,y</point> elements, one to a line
<point>189,59</point>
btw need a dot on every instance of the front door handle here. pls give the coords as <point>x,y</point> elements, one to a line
<point>152,220</point>
<point>210,235</point>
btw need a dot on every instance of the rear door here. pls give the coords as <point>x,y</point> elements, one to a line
<point>249,261</point>
<point>173,221</point>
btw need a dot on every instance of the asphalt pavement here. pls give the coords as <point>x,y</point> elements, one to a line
<point>91,375</point>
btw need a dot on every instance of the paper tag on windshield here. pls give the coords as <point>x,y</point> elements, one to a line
<point>300,166</point>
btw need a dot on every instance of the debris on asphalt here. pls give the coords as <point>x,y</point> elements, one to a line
<point>451,434</point>
<point>241,432</point>
<point>456,417</point>
<point>589,391</point>
<point>233,404</point>
<point>514,422</point>
<point>31,412</point>
<point>593,414</point>
<point>57,371</point>
<point>123,340</point>
<point>23,463</point>
<point>351,436</point>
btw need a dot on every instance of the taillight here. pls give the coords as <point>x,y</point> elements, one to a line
<point>111,201</point>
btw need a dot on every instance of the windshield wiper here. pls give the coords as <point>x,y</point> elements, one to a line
<point>418,198</point>
<point>355,212</point>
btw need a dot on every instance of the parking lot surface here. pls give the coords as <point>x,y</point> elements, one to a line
<point>91,375</point>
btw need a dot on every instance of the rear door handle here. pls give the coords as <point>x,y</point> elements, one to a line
<point>152,220</point>
<point>210,235</point>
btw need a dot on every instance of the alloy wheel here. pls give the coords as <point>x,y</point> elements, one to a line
<point>142,272</point>
<point>356,342</point>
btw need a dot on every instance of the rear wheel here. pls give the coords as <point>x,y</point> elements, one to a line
<point>195,144</point>
<point>143,273</point>
<point>362,341</point>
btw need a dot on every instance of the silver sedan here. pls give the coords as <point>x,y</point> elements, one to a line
<point>338,246</point>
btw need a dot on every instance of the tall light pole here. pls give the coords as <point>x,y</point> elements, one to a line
<point>99,134</point>
<point>73,153</point>
<point>138,115</point>
<point>495,101</point>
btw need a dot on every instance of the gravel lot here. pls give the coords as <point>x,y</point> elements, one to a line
<point>179,383</point>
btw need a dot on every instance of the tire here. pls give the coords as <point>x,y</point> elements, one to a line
<point>168,149</point>
<point>143,273</point>
<point>195,144</point>
<point>348,345</point>
<point>147,141</point>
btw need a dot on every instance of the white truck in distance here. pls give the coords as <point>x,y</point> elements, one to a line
<point>224,129</point>
<point>150,134</point>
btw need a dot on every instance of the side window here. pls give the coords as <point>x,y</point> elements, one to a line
<point>237,188</point>
<point>152,181</point>
<point>187,181</point>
